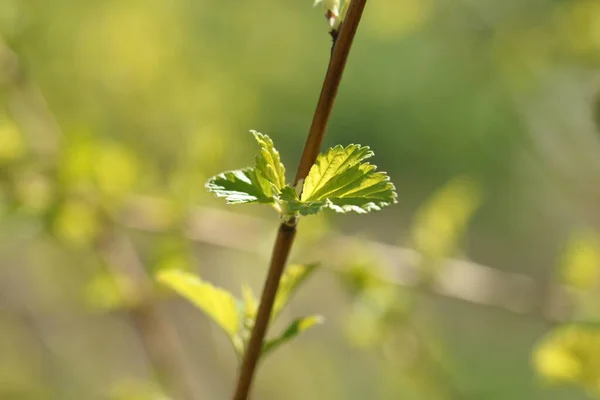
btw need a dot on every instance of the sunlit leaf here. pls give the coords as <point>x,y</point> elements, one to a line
<point>238,187</point>
<point>294,276</point>
<point>217,303</point>
<point>269,166</point>
<point>344,183</point>
<point>294,329</point>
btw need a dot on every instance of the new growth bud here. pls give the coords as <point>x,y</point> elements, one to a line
<point>335,10</point>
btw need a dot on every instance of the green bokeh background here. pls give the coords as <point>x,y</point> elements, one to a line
<point>153,97</point>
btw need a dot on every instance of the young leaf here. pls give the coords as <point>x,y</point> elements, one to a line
<point>268,165</point>
<point>294,329</point>
<point>238,187</point>
<point>217,303</point>
<point>294,205</point>
<point>294,276</point>
<point>344,183</point>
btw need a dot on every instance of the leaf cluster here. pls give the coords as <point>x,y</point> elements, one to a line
<point>339,180</point>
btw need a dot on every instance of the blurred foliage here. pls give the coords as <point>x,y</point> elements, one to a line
<point>570,355</point>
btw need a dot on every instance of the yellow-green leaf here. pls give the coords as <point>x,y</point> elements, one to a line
<point>341,180</point>
<point>294,329</point>
<point>293,277</point>
<point>238,187</point>
<point>269,166</point>
<point>217,303</point>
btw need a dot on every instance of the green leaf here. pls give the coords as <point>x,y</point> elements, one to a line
<point>294,276</point>
<point>269,169</point>
<point>294,329</point>
<point>341,180</point>
<point>217,303</point>
<point>294,205</point>
<point>238,187</point>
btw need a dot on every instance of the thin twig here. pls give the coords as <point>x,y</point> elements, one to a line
<point>287,230</point>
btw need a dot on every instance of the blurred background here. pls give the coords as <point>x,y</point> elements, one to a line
<point>481,283</point>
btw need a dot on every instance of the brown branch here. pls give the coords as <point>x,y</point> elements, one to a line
<point>287,230</point>
<point>339,56</point>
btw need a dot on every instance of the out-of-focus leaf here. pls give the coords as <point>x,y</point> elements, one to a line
<point>344,183</point>
<point>581,263</point>
<point>107,291</point>
<point>294,329</point>
<point>238,187</point>
<point>441,221</point>
<point>76,222</point>
<point>269,169</point>
<point>12,143</point>
<point>217,303</point>
<point>294,276</point>
<point>115,169</point>
<point>570,354</point>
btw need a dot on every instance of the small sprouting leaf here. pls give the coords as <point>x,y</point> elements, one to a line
<point>238,187</point>
<point>269,166</point>
<point>341,180</point>
<point>217,303</point>
<point>294,329</point>
<point>294,205</point>
<point>294,276</point>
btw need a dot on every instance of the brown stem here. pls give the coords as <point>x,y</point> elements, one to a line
<point>339,56</point>
<point>287,231</point>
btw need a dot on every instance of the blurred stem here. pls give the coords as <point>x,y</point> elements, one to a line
<point>287,230</point>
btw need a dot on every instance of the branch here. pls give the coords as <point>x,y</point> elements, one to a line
<point>287,230</point>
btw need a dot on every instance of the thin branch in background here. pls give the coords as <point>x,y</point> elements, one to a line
<point>158,338</point>
<point>287,230</point>
<point>462,280</point>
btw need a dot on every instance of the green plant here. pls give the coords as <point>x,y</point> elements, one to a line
<point>339,179</point>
